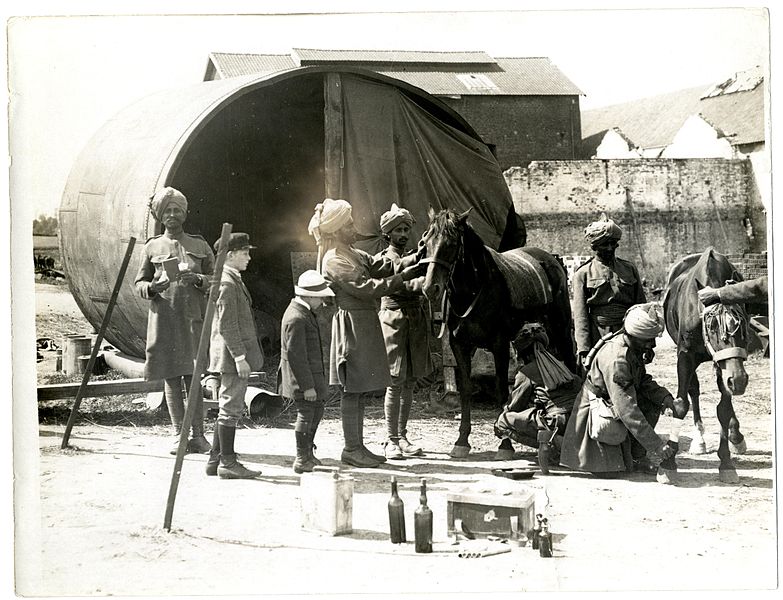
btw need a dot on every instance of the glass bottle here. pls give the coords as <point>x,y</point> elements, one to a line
<point>534,539</point>
<point>545,540</point>
<point>422,521</point>
<point>396,515</point>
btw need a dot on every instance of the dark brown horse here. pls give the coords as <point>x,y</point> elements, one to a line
<point>716,333</point>
<point>485,297</point>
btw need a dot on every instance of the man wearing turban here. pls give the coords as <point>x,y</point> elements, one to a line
<point>604,287</point>
<point>612,426</point>
<point>542,396</point>
<point>406,333</point>
<point>177,298</point>
<point>357,357</point>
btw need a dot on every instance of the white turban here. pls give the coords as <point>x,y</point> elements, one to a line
<point>330,215</point>
<point>394,216</point>
<point>165,196</point>
<point>644,321</point>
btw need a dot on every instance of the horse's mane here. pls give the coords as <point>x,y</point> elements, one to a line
<point>447,223</point>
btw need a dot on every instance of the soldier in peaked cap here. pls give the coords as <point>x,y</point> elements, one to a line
<point>176,310</point>
<point>406,333</point>
<point>301,375</point>
<point>234,352</point>
<point>357,358</point>
<point>604,287</point>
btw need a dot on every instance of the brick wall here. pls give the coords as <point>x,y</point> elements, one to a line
<point>524,128</point>
<point>750,264</point>
<point>666,208</point>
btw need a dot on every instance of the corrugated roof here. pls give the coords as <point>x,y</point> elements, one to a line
<point>513,76</point>
<point>312,56</point>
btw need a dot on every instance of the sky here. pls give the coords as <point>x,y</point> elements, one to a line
<point>69,74</point>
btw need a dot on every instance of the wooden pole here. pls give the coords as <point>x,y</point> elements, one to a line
<point>198,369</point>
<point>96,346</point>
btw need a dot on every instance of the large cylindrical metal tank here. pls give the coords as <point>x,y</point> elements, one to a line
<point>247,150</point>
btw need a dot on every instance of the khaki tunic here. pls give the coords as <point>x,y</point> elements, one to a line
<point>602,294</point>
<point>176,314</point>
<point>405,326</point>
<point>618,374</point>
<point>357,357</point>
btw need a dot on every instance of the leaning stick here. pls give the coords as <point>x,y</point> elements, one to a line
<point>200,366</point>
<point>97,345</point>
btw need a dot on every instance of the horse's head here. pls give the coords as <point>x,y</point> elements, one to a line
<point>725,332</point>
<point>444,243</point>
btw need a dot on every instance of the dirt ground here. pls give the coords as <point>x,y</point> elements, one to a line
<point>102,506</point>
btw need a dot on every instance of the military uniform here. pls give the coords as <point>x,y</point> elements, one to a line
<point>602,294</point>
<point>532,408</point>
<point>357,360</point>
<point>175,314</point>
<point>617,375</point>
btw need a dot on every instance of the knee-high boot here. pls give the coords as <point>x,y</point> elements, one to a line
<point>318,413</point>
<point>350,412</point>
<point>360,427</point>
<point>214,454</point>
<point>230,467</point>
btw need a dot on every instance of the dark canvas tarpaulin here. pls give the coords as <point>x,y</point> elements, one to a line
<point>396,151</point>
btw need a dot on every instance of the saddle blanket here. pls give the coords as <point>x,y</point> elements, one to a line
<point>526,279</point>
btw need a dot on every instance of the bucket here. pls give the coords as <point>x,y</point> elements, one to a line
<point>261,403</point>
<point>326,497</point>
<point>74,347</point>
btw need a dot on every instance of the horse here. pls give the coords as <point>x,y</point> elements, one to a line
<point>485,297</point>
<point>717,333</point>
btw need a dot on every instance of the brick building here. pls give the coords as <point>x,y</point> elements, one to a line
<point>524,109</point>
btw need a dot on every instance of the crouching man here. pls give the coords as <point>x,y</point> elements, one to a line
<point>541,399</point>
<point>619,398</point>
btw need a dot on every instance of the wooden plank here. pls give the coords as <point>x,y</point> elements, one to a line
<point>59,391</point>
<point>333,135</point>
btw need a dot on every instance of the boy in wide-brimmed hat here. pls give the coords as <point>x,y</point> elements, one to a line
<point>301,375</point>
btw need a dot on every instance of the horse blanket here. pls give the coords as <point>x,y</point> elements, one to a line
<point>528,284</point>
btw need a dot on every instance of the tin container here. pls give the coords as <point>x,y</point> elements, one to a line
<point>326,497</point>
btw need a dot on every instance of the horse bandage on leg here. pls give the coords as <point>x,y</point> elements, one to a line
<point>674,433</point>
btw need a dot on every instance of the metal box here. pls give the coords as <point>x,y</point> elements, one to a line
<point>327,501</point>
<point>488,513</point>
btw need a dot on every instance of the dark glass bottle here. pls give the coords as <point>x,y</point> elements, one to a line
<point>422,522</point>
<point>396,515</point>
<point>535,531</point>
<point>545,540</point>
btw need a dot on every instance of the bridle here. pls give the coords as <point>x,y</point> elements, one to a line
<point>718,313</point>
<point>445,305</point>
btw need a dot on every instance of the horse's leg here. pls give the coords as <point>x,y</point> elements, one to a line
<point>462,354</point>
<point>500,352</point>
<point>688,386</point>
<point>726,471</point>
<point>737,444</point>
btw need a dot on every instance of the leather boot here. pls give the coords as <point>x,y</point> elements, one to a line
<point>230,467</point>
<point>360,426</point>
<point>318,413</point>
<point>214,455</point>
<point>302,462</point>
<point>353,453</point>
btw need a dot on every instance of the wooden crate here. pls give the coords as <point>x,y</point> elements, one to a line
<point>489,514</point>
